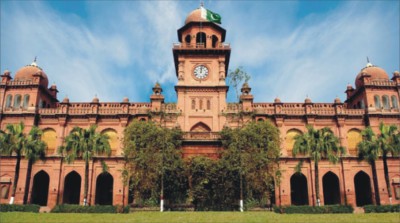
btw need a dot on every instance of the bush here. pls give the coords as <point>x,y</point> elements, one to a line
<point>381,208</point>
<point>313,210</point>
<point>19,207</point>
<point>68,208</point>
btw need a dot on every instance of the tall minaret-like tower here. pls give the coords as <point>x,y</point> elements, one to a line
<point>201,60</point>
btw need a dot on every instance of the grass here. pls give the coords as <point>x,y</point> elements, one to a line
<point>202,217</point>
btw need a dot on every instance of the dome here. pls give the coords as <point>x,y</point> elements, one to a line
<point>95,100</point>
<point>337,100</point>
<point>307,100</point>
<point>65,100</point>
<point>195,16</point>
<point>277,100</point>
<point>375,72</point>
<point>396,74</point>
<point>125,100</point>
<point>6,73</point>
<point>28,72</point>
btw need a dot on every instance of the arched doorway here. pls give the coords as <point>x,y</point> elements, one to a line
<point>104,189</point>
<point>72,188</point>
<point>298,189</point>
<point>362,184</point>
<point>40,189</point>
<point>201,40</point>
<point>331,189</point>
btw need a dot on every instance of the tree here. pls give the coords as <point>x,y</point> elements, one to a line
<point>368,149</point>
<point>318,144</point>
<point>236,77</point>
<point>85,143</point>
<point>14,140</point>
<point>389,144</point>
<point>253,153</point>
<point>152,152</point>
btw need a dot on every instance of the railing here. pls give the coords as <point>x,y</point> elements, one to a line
<point>201,136</point>
<point>200,46</point>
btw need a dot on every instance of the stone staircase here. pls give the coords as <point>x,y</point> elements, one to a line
<point>358,210</point>
<point>44,209</point>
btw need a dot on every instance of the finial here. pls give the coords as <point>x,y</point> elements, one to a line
<point>201,4</point>
<point>367,59</point>
<point>35,59</point>
<point>368,63</point>
<point>34,62</point>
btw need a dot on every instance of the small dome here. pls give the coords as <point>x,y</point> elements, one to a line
<point>29,71</point>
<point>337,100</point>
<point>125,100</point>
<point>245,85</point>
<point>195,16</point>
<point>95,100</point>
<point>349,87</point>
<point>396,74</point>
<point>6,73</point>
<point>307,100</point>
<point>53,86</point>
<point>65,100</point>
<point>277,100</point>
<point>375,72</point>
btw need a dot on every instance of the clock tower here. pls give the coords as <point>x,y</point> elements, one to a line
<point>201,62</point>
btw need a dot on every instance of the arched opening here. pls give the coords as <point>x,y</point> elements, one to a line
<point>188,38</point>
<point>40,188</point>
<point>214,41</point>
<point>50,138</point>
<point>200,127</point>
<point>353,138</point>
<point>362,186</point>
<point>131,195</point>
<point>377,101</point>
<point>385,102</point>
<point>72,188</point>
<point>395,104</point>
<point>104,189</point>
<point>26,101</point>
<point>330,183</point>
<point>289,141</point>
<point>298,189</point>
<point>17,101</point>
<point>271,195</point>
<point>112,140</point>
<point>8,101</point>
<point>200,40</point>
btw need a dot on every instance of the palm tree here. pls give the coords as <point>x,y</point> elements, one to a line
<point>85,143</point>
<point>368,149</point>
<point>318,144</point>
<point>389,144</point>
<point>14,140</point>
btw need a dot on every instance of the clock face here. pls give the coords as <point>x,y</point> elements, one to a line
<point>201,72</point>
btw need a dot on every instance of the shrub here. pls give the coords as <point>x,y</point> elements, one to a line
<point>381,208</point>
<point>313,209</point>
<point>68,208</point>
<point>19,207</point>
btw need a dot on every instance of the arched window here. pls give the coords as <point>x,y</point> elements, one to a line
<point>208,105</point>
<point>50,138</point>
<point>188,38</point>
<point>385,101</point>
<point>395,103</point>
<point>201,40</point>
<point>201,104</point>
<point>112,140</point>
<point>17,101</point>
<point>353,138</point>
<point>214,41</point>
<point>193,104</point>
<point>377,101</point>
<point>8,101</point>
<point>26,101</point>
<point>290,135</point>
<point>200,127</point>
<point>362,103</point>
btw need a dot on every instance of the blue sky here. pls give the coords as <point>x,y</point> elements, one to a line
<point>116,49</point>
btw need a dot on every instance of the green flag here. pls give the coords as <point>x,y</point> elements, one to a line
<point>210,16</point>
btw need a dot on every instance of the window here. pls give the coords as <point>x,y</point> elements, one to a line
<point>214,41</point>
<point>8,101</point>
<point>208,105</point>
<point>377,101</point>
<point>201,40</point>
<point>385,101</point>
<point>362,104</point>
<point>396,187</point>
<point>188,38</point>
<point>353,138</point>
<point>394,102</point>
<point>201,104</point>
<point>193,104</point>
<point>289,140</point>
<point>26,101</point>
<point>50,138</point>
<point>5,189</point>
<point>17,101</point>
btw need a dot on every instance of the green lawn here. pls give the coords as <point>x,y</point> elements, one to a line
<point>198,217</point>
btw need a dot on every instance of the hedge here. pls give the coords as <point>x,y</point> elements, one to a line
<point>381,208</point>
<point>19,207</point>
<point>314,209</point>
<point>70,208</point>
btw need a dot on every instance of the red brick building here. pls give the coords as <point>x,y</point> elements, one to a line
<point>201,60</point>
